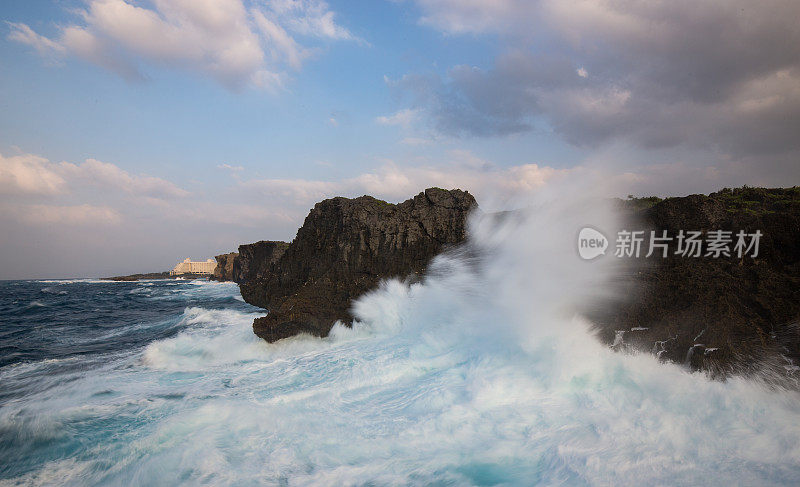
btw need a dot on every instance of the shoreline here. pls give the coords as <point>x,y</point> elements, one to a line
<point>155,275</point>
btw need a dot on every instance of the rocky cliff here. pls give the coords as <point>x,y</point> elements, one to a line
<point>224,269</point>
<point>249,264</point>
<point>344,248</point>
<point>716,314</point>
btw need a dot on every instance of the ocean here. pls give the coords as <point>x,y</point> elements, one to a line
<point>481,375</point>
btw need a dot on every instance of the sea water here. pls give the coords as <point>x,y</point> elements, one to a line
<point>483,374</point>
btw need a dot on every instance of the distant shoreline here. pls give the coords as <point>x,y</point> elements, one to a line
<point>156,275</point>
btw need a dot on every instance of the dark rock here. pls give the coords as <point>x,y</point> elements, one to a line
<point>742,310</point>
<point>252,264</point>
<point>224,269</point>
<point>344,248</point>
<point>137,277</point>
<point>156,275</point>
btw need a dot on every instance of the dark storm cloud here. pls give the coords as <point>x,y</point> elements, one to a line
<point>717,74</point>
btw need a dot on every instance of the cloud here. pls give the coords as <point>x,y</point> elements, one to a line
<point>110,176</point>
<point>65,215</point>
<point>395,183</point>
<point>23,34</point>
<point>35,191</point>
<point>403,118</point>
<point>228,167</point>
<point>311,18</point>
<point>667,73</point>
<point>34,175</point>
<point>236,42</point>
<point>29,175</point>
<point>475,16</point>
<point>416,141</point>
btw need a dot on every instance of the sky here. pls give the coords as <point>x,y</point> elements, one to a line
<point>135,133</point>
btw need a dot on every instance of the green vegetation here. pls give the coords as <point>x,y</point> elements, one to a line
<point>643,203</point>
<point>748,199</point>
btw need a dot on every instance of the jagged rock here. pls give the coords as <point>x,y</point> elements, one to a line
<point>344,248</point>
<point>249,263</point>
<point>253,263</point>
<point>743,309</point>
<point>224,269</point>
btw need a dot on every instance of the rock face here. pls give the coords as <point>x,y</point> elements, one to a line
<point>717,314</point>
<point>250,263</point>
<point>344,248</point>
<point>224,269</point>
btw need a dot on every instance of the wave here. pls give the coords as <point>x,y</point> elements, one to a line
<point>80,281</point>
<point>53,290</point>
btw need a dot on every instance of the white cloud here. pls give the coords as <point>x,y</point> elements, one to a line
<point>403,118</point>
<point>299,191</point>
<point>25,35</point>
<point>475,16</point>
<point>416,141</point>
<point>239,43</point>
<point>110,176</point>
<point>311,18</point>
<point>29,174</point>
<point>281,45</point>
<point>228,167</point>
<point>394,183</point>
<point>36,191</point>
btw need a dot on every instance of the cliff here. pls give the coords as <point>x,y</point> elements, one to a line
<point>249,264</point>
<point>344,248</point>
<point>224,269</point>
<point>715,314</point>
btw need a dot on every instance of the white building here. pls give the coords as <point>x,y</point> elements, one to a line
<point>189,267</point>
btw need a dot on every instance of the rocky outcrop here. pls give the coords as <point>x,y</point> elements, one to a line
<point>138,277</point>
<point>720,315</point>
<point>224,269</point>
<point>344,248</point>
<point>717,314</point>
<point>250,263</point>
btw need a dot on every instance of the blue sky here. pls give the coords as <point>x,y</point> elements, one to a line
<point>129,128</point>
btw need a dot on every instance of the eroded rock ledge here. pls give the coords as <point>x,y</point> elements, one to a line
<point>344,248</point>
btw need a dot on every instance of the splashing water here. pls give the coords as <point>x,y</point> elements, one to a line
<point>481,375</point>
